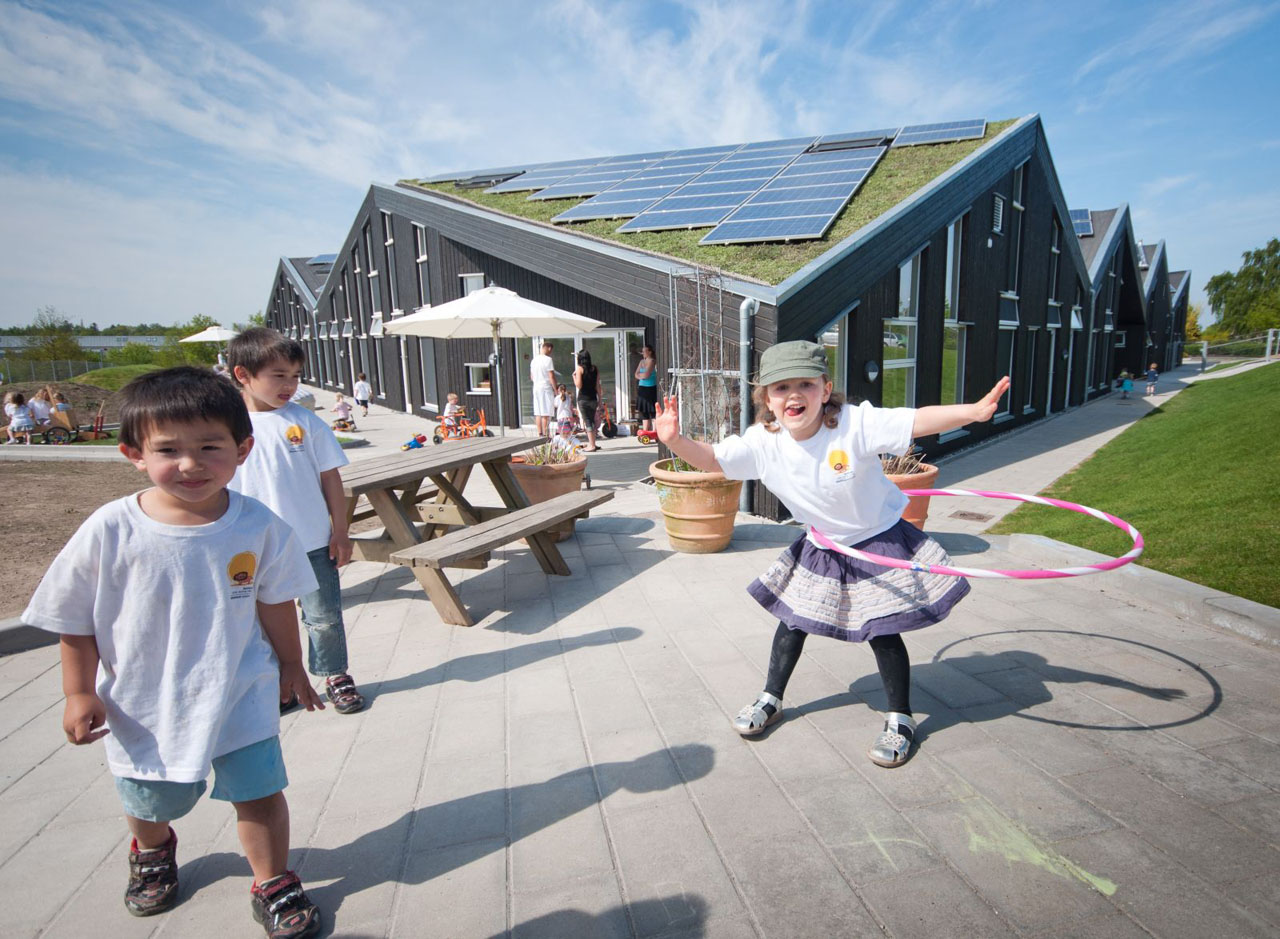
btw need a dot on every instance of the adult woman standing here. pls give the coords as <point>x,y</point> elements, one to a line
<point>586,378</point>
<point>647,390</point>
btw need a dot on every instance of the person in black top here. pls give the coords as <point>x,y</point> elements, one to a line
<point>586,378</point>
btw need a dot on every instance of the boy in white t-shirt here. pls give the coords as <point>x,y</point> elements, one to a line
<point>180,638</point>
<point>542,373</point>
<point>294,470</point>
<point>363,391</point>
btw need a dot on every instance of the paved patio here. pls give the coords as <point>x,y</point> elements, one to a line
<point>1093,762</point>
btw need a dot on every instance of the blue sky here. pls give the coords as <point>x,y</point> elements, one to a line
<point>156,160</point>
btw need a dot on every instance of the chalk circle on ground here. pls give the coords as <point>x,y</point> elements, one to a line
<point>1214,702</point>
<point>1027,574</point>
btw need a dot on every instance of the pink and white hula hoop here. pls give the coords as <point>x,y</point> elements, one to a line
<point>1035,574</point>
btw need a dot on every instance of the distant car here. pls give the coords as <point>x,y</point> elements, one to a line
<point>304,397</point>
<point>893,340</point>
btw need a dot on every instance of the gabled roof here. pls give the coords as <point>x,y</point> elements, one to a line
<point>1153,255</point>
<point>901,173</point>
<point>1089,243</point>
<point>1179,282</point>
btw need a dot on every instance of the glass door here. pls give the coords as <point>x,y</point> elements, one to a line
<point>563,350</point>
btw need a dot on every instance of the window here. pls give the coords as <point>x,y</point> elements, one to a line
<point>427,359</point>
<point>471,283</point>
<point>478,378</point>
<point>1121,340</point>
<point>1004,366</point>
<point>1055,258</point>
<point>389,263</point>
<point>954,339</point>
<point>424,284</point>
<point>955,249</point>
<point>898,388</point>
<point>1029,371</point>
<point>1015,230</point>
<point>378,367</point>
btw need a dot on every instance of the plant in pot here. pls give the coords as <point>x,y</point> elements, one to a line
<point>550,470</point>
<point>698,508</point>
<point>909,471</point>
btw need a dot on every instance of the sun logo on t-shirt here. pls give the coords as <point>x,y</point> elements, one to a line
<point>242,568</point>
<point>294,434</point>
<point>838,460</point>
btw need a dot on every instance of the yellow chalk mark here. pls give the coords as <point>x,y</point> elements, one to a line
<point>990,831</point>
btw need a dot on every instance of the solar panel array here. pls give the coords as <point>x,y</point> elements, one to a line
<point>774,190</point>
<point>1082,221</point>
<point>800,202</point>
<point>940,133</point>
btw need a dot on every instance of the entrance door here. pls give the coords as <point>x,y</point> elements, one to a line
<point>610,352</point>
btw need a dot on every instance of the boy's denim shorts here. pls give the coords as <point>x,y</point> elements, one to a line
<point>252,772</point>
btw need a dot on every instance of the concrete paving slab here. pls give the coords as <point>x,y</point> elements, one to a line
<point>1092,762</point>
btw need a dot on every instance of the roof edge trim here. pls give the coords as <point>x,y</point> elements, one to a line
<point>296,277</point>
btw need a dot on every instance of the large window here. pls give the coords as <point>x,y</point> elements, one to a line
<point>427,359</point>
<point>898,389</point>
<point>389,263</point>
<point>424,283</point>
<point>954,332</point>
<point>1004,366</point>
<point>1029,371</point>
<point>471,283</point>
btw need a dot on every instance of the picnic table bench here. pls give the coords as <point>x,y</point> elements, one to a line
<point>417,515</point>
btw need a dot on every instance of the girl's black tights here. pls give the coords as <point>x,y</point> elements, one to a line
<point>891,658</point>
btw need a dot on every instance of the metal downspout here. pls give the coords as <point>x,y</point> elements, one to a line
<point>746,310</point>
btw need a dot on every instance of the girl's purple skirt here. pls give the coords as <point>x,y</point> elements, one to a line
<point>831,594</point>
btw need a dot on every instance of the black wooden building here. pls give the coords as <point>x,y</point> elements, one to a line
<point>975,274</point>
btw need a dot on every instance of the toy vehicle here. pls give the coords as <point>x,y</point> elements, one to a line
<point>459,428</point>
<point>647,436</point>
<point>61,429</point>
<point>415,442</point>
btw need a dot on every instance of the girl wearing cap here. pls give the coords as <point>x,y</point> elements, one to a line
<point>821,457</point>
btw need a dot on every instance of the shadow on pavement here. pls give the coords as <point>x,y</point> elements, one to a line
<point>485,665</point>
<point>679,915</point>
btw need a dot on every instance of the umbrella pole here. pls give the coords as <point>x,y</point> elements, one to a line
<point>495,383</point>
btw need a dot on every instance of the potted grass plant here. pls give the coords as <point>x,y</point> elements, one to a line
<point>909,471</point>
<point>549,470</point>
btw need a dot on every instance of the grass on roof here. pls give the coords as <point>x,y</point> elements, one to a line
<point>899,173</point>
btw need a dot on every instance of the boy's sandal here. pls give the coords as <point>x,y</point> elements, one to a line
<point>153,878</point>
<point>893,745</point>
<point>754,718</point>
<point>282,907</point>
<point>341,691</point>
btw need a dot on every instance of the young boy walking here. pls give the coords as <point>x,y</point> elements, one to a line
<point>293,469</point>
<point>363,391</point>
<point>180,639</point>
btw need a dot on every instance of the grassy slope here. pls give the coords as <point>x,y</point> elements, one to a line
<point>1197,477</point>
<point>115,377</point>
<point>900,173</point>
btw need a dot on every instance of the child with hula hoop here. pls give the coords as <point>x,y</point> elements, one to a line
<point>820,456</point>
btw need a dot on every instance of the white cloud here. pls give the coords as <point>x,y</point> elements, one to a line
<point>100,255</point>
<point>1164,184</point>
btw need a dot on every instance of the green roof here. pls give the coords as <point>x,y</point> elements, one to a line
<point>901,172</point>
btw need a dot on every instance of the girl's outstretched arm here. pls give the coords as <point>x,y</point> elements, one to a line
<point>693,452</point>
<point>940,418</point>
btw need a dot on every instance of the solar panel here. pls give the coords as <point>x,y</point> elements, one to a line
<point>861,138</point>
<point>800,202</point>
<point>940,133</point>
<point>1082,221</point>
<point>323,259</point>
<point>543,175</point>
<point>604,175</point>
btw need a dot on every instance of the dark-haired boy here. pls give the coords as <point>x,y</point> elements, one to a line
<point>180,639</point>
<point>294,470</point>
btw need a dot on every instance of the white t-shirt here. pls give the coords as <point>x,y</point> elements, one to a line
<point>185,670</point>
<point>363,391</point>
<point>540,368</point>
<point>832,481</point>
<point>39,409</point>
<point>291,448</point>
<point>564,408</point>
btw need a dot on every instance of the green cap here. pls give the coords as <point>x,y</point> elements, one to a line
<point>797,359</point>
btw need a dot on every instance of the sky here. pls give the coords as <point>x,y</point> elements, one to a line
<point>156,160</point>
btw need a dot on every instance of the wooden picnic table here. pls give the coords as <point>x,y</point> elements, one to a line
<point>416,518</point>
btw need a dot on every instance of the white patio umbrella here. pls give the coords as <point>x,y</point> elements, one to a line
<point>495,312</point>
<point>212,334</point>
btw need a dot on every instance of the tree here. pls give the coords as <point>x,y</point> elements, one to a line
<point>53,336</point>
<point>132,353</point>
<point>1248,301</point>
<point>1192,333</point>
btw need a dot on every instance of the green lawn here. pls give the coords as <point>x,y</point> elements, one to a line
<point>115,377</point>
<point>1197,477</point>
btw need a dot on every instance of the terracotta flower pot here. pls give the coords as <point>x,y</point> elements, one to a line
<point>544,481</point>
<point>918,506</point>
<point>698,508</point>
